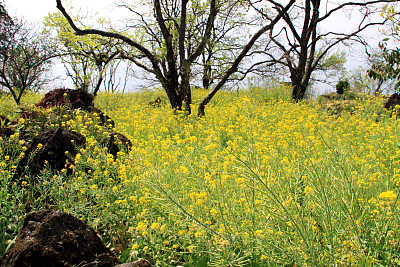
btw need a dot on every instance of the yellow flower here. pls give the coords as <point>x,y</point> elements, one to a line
<point>213,211</point>
<point>263,257</point>
<point>388,195</point>
<point>183,169</point>
<point>142,226</point>
<point>258,233</point>
<point>308,190</point>
<point>155,226</point>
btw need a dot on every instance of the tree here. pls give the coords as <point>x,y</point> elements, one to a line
<point>5,22</point>
<point>228,35</point>
<point>25,59</point>
<point>171,64</point>
<point>342,87</point>
<point>387,68</point>
<point>280,10</point>
<point>300,45</point>
<point>86,58</point>
<point>170,61</point>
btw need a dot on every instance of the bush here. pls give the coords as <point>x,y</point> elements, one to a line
<point>342,86</point>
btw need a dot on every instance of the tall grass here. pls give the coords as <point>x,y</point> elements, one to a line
<point>258,181</point>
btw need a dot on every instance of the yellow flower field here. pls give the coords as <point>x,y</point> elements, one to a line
<point>258,181</point>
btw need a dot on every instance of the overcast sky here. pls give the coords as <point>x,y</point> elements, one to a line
<point>36,10</point>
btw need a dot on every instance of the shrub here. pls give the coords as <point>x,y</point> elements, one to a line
<point>342,87</point>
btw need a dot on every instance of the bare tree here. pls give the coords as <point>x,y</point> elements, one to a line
<point>300,45</point>
<point>5,22</point>
<point>172,68</point>
<point>228,36</point>
<point>269,25</point>
<point>172,64</point>
<point>86,58</point>
<point>25,59</point>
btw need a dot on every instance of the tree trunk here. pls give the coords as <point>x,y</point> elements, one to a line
<point>188,100</point>
<point>299,84</point>
<point>97,88</point>
<point>206,76</point>
<point>175,99</point>
<point>298,91</point>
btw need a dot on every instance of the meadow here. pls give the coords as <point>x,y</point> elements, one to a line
<point>258,181</point>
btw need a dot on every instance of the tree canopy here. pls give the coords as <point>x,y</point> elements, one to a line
<point>302,46</point>
<point>25,57</point>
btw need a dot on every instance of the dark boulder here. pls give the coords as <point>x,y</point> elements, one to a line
<point>392,101</point>
<point>52,238</point>
<point>6,132</point>
<point>53,149</point>
<point>75,99</point>
<point>104,119</point>
<point>116,142</point>
<point>58,97</point>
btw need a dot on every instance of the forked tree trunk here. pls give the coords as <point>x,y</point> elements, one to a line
<point>174,98</point>
<point>299,82</point>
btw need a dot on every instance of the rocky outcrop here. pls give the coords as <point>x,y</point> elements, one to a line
<point>116,142</point>
<point>56,148</point>
<point>63,96</point>
<point>52,238</point>
<point>392,101</point>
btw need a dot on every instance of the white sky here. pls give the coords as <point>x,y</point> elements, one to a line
<point>36,10</point>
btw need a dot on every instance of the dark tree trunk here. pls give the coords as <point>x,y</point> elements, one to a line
<point>298,86</point>
<point>207,81</point>
<point>298,91</point>
<point>174,98</point>
<point>97,88</point>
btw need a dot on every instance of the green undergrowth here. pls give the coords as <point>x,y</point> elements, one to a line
<point>258,181</point>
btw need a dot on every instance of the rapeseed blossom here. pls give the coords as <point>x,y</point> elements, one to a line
<point>388,195</point>
<point>256,180</point>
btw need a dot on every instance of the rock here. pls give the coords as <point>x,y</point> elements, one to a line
<point>76,98</point>
<point>6,132</point>
<point>138,263</point>
<point>115,142</point>
<point>104,119</point>
<point>392,101</point>
<point>55,144</point>
<point>52,238</point>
